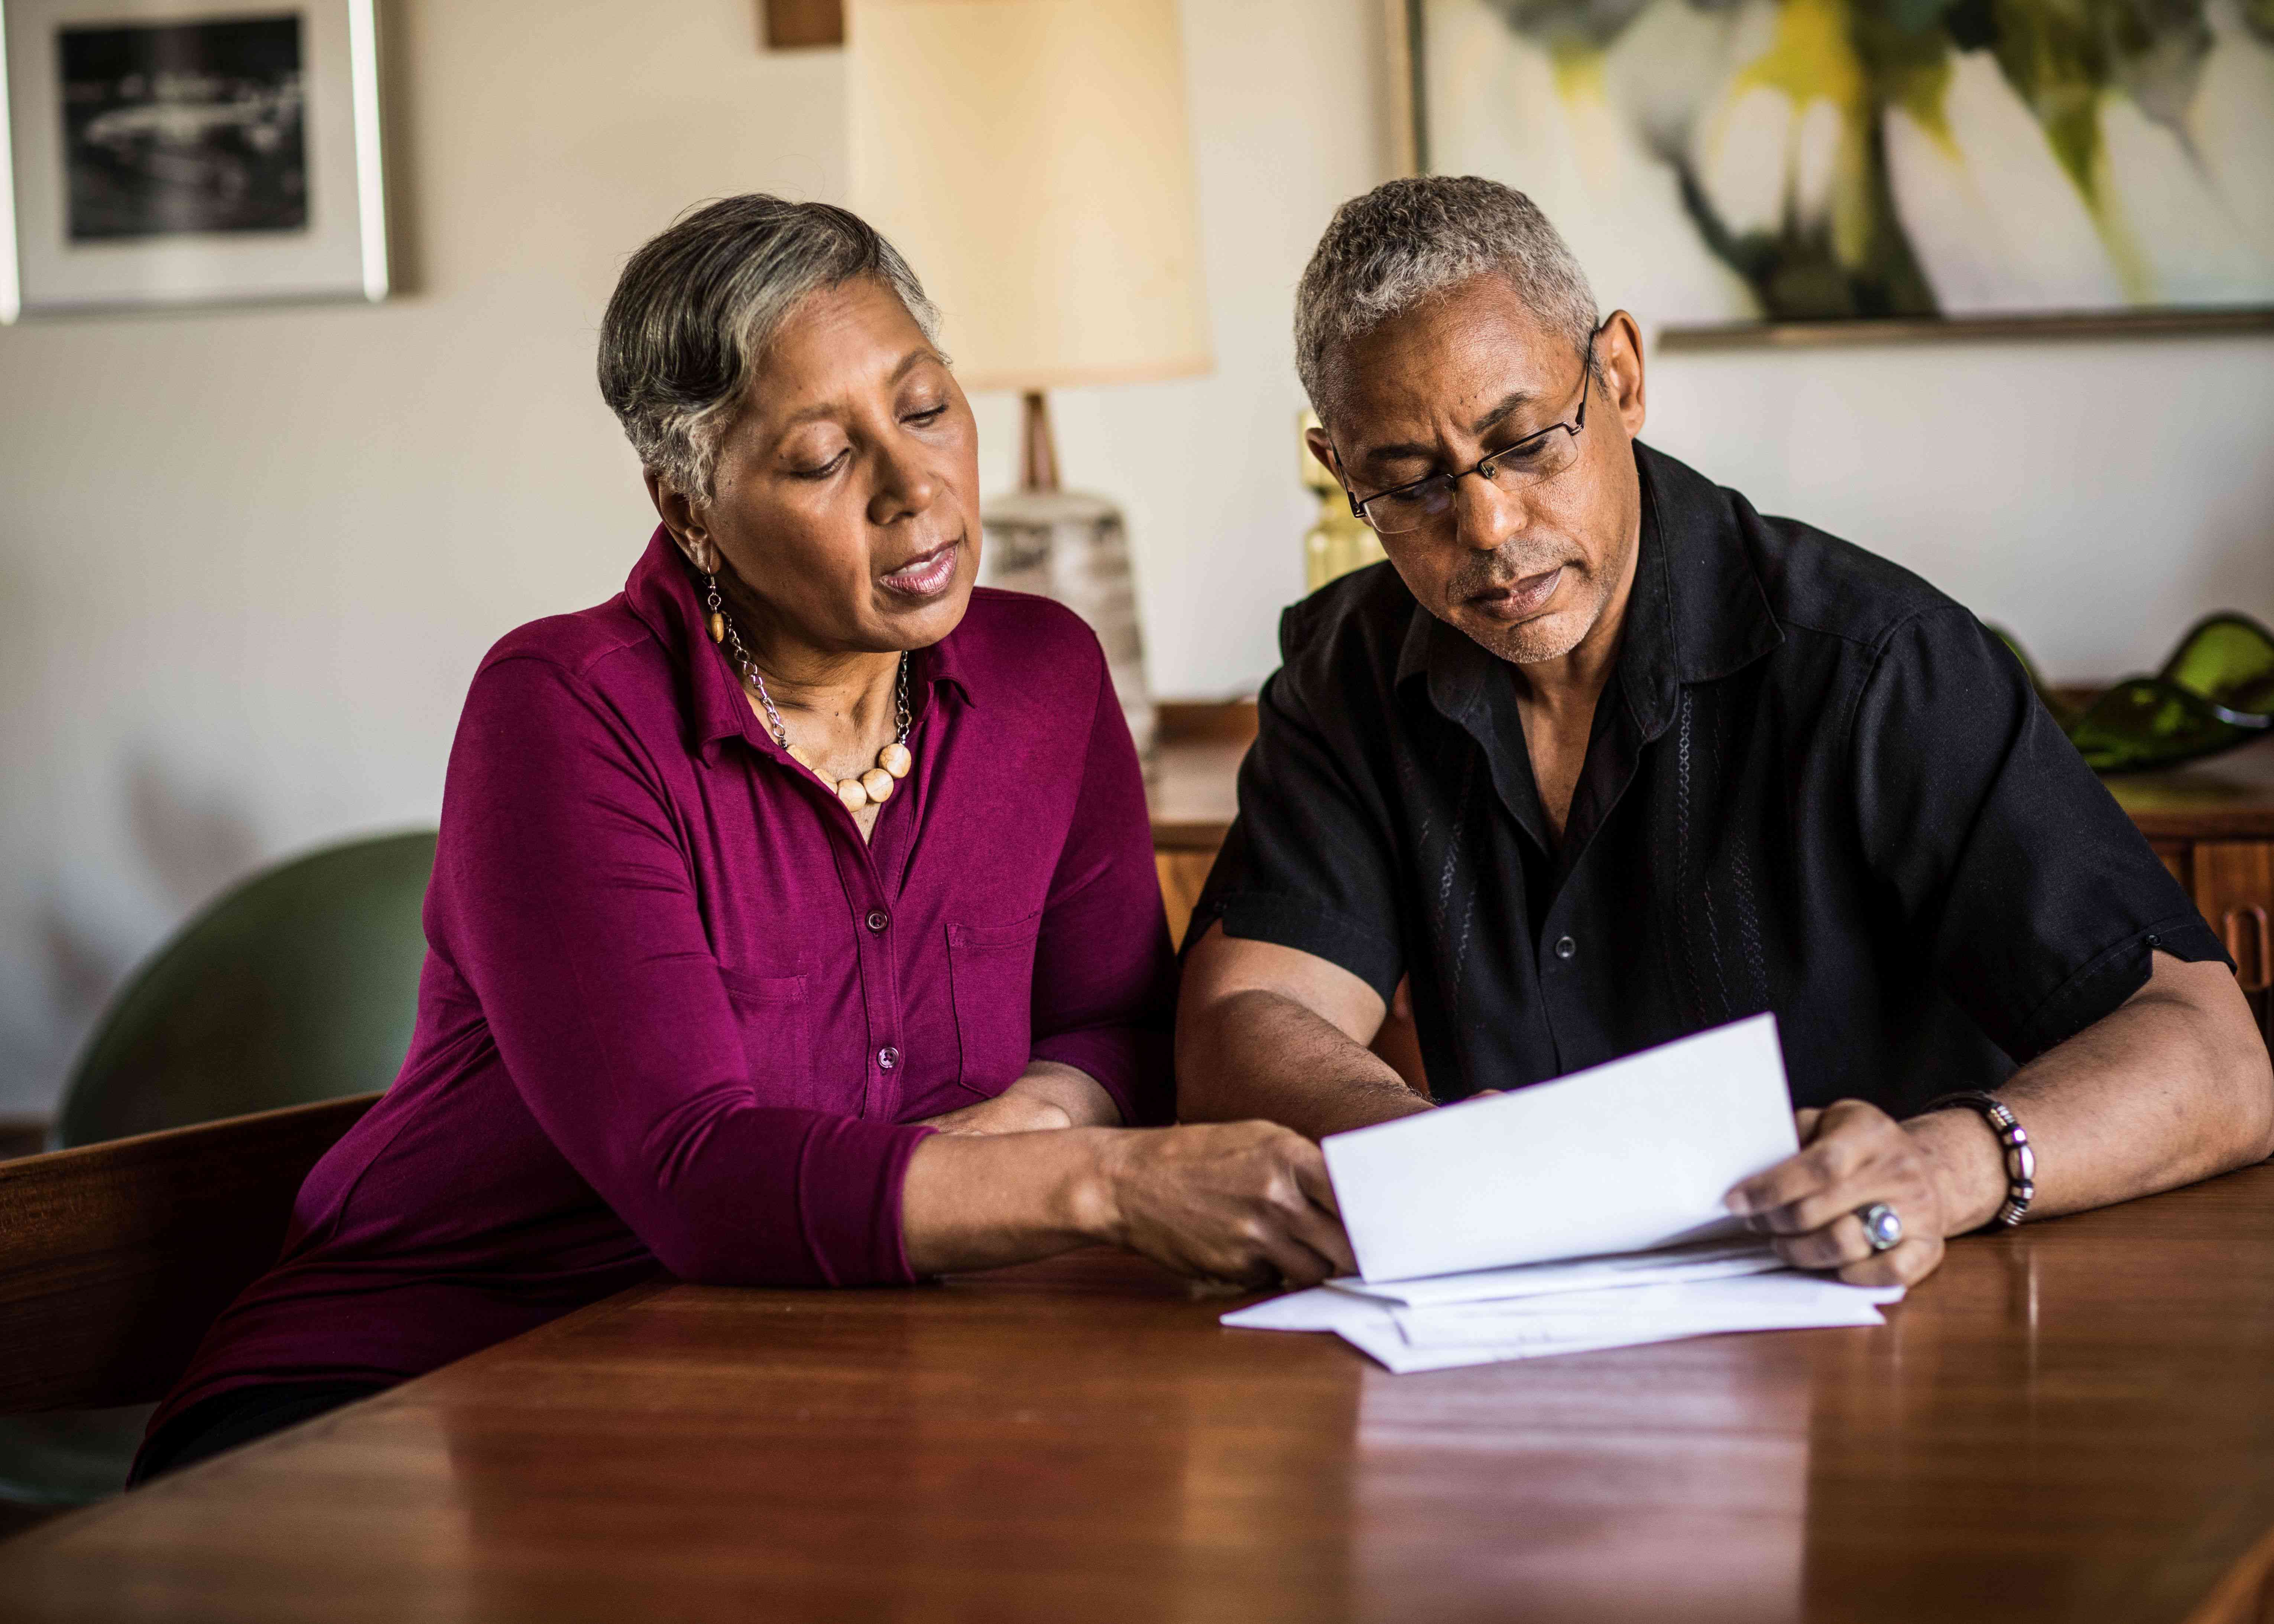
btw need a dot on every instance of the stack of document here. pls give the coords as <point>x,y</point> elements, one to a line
<point>1573,1215</point>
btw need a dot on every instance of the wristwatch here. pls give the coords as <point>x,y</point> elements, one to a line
<point>2020,1160</point>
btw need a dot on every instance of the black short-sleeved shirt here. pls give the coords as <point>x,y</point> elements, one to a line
<point>1816,785</point>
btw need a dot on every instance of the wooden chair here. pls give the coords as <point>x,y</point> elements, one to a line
<point>116,1257</point>
<point>298,987</point>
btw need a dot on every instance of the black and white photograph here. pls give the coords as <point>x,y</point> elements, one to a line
<point>189,152</point>
<point>185,127</point>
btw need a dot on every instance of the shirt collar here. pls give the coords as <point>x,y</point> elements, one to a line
<point>1697,611</point>
<point>661,592</point>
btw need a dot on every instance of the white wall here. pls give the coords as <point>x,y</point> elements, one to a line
<point>248,560</point>
<point>2094,498</point>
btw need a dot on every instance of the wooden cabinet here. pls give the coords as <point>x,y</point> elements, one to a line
<point>2213,825</point>
<point>2233,881</point>
<point>1182,875</point>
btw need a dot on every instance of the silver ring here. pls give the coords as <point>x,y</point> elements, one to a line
<point>1882,1226</point>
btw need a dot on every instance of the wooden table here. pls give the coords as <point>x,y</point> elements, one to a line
<point>2076,1421</point>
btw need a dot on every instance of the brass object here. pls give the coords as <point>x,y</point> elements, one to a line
<point>1338,541</point>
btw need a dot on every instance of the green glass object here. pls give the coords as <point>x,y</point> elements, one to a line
<point>2228,660</point>
<point>2214,691</point>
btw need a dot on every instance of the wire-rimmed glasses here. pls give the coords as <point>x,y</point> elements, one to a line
<point>1537,457</point>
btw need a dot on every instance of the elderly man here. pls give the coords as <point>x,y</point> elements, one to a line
<point>1603,756</point>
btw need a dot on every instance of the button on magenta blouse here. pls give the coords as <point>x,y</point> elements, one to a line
<point>676,1015</point>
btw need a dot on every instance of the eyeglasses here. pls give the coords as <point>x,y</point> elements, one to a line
<point>1534,459</point>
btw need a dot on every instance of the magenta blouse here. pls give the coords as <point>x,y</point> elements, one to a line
<point>677,1016</point>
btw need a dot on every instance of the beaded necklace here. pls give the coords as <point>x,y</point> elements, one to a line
<point>874,787</point>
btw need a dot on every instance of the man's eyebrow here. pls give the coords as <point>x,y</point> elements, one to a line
<point>1509,404</point>
<point>1402,451</point>
<point>1413,451</point>
<point>828,409</point>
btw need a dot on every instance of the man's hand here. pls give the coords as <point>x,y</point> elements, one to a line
<point>1853,1154</point>
<point>1046,1095</point>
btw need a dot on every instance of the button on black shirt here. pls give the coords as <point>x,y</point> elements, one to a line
<point>1815,786</point>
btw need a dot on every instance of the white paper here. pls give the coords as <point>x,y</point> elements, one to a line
<point>1704,1260</point>
<point>1406,1338</point>
<point>1315,1309</point>
<point>1788,1301</point>
<point>1621,1157</point>
<point>1386,1347</point>
<point>1389,1348</point>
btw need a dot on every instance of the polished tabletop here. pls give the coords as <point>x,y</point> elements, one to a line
<point>2074,1422</point>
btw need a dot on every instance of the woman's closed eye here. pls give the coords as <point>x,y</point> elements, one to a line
<point>925,416</point>
<point>821,471</point>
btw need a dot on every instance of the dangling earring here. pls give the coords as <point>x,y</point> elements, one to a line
<point>718,620</point>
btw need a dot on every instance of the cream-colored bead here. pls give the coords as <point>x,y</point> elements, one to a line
<point>849,792</point>
<point>895,759</point>
<point>718,629</point>
<point>803,757</point>
<point>878,784</point>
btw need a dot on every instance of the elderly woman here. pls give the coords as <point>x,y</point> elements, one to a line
<point>795,920</point>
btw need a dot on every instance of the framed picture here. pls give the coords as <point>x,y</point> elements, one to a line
<point>165,152</point>
<point>1806,169</point>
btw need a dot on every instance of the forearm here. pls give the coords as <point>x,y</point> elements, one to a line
<point>984,1201</point>
<point>2171,1087</point>
<point>1261,1054</point>
<point>1069,1089</point>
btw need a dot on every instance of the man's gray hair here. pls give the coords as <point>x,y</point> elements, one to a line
<point>1408,240</point>
<point>697,305</point>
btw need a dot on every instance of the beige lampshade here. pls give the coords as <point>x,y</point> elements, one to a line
<point>1030,159</point>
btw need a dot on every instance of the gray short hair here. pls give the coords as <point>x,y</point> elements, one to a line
<point>697,306</point>
<point>1387,251</point>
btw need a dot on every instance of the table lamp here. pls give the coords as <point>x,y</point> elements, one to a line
<point>1030,159</point>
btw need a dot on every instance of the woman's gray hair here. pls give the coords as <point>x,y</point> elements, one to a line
<point>697,306</point>
<point>1406,240</point>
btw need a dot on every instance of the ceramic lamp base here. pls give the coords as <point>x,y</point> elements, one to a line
<point>1074,548</point>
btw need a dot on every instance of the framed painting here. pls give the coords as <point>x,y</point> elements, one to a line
<point>167,151</point>
<point>1805,170</point>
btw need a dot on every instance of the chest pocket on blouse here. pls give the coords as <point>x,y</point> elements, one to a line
<point>991,971</point>
<point>771,1011</point>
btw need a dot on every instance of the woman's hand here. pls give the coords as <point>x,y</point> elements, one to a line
<point>1852,1155</point>
<point>1247,1202</point>
<point>1047,1095</point>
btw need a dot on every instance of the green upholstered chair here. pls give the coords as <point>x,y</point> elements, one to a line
<point>299,985</point>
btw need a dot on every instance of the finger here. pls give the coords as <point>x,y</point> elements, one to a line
<point>1322,1233</point>
<point>1804,1121</point>
<point>1845,1141</point>
<point>1835,1245</point>
<point>1795,1178</point>
<point>1297,1264</point>
<point>1899,1187</point>
<point>1310,1165</point>
<point>1905,1264</point>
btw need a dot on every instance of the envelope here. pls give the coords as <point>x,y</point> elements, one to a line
<point>1621,1157</point>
